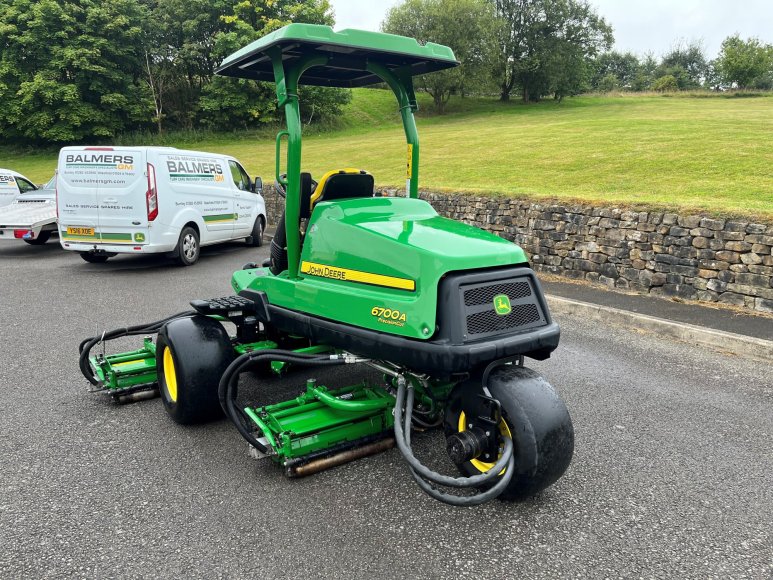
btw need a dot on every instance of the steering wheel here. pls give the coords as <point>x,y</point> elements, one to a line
<point>282,190</point>
<point>278,187</point>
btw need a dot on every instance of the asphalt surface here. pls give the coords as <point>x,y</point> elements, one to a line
<point>672,475</point>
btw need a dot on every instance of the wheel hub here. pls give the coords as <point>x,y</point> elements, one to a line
<point>189,246</point>
<point>466,445</point>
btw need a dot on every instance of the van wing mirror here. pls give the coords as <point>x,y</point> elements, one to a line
<point>257,185</point>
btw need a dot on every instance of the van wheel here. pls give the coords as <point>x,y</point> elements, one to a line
<point>188,249</point>
<point>40,240</point>
<point>94,258</point>
<point>256,239</point>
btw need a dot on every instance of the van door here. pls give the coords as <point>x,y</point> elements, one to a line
<point>102,194</point>
<point>122,197</point>
<point>246,201</point>
<point>200,182</point>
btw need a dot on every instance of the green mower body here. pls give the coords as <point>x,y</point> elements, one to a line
<point>377,262</point>
<point>379,265</point>
<point>389,278</point>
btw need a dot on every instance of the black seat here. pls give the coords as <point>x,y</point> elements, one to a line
<point>342,184</point>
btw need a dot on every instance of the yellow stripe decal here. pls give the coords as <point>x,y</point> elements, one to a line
<point>348,275</point>
<point>96,240</point>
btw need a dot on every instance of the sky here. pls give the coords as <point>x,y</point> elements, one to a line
<point>640,26</point>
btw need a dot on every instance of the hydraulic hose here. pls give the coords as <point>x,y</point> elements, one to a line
<point>228,389</point>
<point>84,348</point>
<point>425,477</point>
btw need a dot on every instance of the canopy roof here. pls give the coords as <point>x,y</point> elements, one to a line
<point>348,52</point>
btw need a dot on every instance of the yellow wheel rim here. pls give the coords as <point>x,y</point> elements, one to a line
<point>504,430</point>
<point>170,376</point>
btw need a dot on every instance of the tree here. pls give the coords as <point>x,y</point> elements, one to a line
<point>666,84</point>
<point>467,26</point>
<point>227,103</point>
<point>607,83</point>
<point>544,45</point>
<point>622,68</point>
<point>686,62</point>
<point>579,35</point>
<point>742,62</point>
<point>645,76</point>
<point>70,70</point>
<point>190,38</point>
<point>180,59</point>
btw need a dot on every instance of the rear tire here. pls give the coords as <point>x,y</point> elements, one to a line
<point>533,415</point>
<point>191,356</point>
<point>188,248</point>
<point>94,258</point>
<point>256,239</point>
<point>40,240</point>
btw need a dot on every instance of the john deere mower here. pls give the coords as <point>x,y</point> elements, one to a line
<point>445,312</point>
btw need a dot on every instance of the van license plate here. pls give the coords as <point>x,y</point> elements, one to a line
<point>80,231</point>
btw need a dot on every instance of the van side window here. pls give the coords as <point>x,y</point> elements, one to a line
<point>241,180</point>
<point>24,185</point>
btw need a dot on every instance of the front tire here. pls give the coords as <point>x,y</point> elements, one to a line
<point>533,415</point>
<point>256,239</point>
<point>188,247</point>
<point>191,356</point>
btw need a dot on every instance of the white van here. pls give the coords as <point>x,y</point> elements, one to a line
<point>140,200</point>
<point>12,184</point>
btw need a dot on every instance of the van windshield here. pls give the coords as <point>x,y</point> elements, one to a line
<point>47,191</point>
<point>51,184</point>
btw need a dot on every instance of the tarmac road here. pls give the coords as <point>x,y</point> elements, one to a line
<point>672,475</point>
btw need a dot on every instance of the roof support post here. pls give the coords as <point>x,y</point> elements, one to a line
<point>401,83</point>
<point>287,97</point>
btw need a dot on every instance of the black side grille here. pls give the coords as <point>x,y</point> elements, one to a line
<point>481,319</point>
<point>468,303</point>
<point>485,294</point>
<point>489,321</point>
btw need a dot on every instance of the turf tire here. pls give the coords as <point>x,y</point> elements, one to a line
<point>538,421</point>
<point>200,350</point>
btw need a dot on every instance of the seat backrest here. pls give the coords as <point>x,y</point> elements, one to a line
<point>306,192</point>
<point>342,184</point>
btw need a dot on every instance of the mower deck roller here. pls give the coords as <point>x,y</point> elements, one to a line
<point>444,311</point>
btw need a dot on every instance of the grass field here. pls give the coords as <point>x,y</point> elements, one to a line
<point>713,155</point>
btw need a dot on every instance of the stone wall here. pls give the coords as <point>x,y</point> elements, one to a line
<point>691,257</point>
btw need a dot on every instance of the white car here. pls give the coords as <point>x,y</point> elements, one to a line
<point>31,217</point>
<point>140,200</point>
<point>12,184</point>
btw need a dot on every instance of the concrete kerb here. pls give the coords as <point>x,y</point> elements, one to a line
<point>728,342</point>
<point>737,344</point>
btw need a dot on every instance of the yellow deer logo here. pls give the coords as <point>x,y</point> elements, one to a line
<point>502,305</point>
